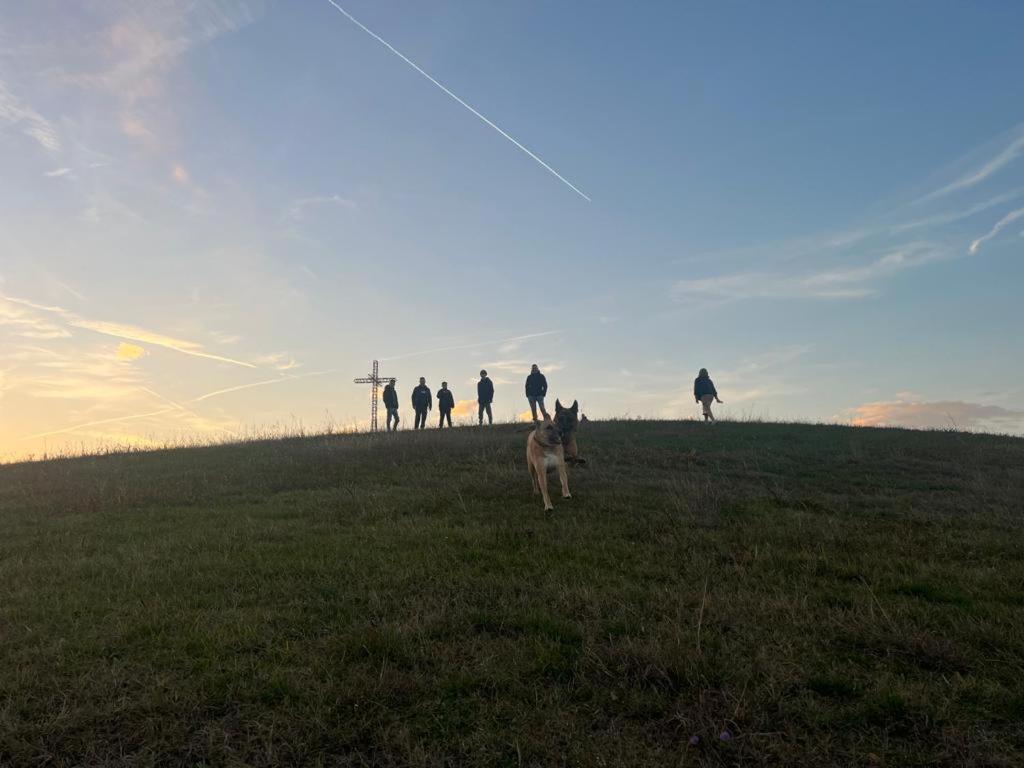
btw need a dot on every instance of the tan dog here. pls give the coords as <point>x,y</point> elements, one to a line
<point>544,451</point>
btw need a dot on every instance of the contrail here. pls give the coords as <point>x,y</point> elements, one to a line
<point>99,422</point>
<point>412,64</point>
<point>1003,222</point>
<point>279,380</point>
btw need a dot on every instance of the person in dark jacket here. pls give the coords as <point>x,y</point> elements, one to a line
<point>445,403</point>
<point>484,398</point>
<point>421,403</point>
<point>391,404</point>
<point>536,388</point>
<point>704,392</point>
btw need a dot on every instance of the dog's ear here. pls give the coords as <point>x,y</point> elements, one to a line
<point>558,405</point>
<point>575,406</point>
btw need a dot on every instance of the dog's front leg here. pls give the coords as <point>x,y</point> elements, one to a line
<point>542,481</point>
<point>563,475</point>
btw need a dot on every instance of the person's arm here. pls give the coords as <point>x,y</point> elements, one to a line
<point>714,391</point>
<point>430,401</point>
<point>543,385</point>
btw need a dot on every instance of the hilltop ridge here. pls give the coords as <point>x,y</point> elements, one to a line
<point>737,593</point>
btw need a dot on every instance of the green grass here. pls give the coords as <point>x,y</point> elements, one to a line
<point>827,595</point>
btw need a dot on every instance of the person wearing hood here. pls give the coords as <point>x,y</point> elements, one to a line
<point>390,398</point>
<point>484,398</point>
<point>421,403</point>
<point>704,392</point>
<point>536,388</point>
<point>445,404</point>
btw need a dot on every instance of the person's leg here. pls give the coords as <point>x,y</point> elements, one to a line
<point>533,407</point>
<point>706,401</point>
<point>490,416</point>
<point>543,410</point>
<point>448,414</point>
<point>480,413</point>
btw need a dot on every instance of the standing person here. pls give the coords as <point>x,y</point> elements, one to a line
<point>536,388</point>
<point>421,403</point>
<point>445,403</point>
<point>391,404</point>
<point>484,398</point>
<point>704,392</point>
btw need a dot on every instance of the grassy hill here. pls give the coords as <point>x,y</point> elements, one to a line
<point>778,594</point>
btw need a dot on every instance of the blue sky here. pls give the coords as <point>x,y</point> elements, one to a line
<point>821,203</point>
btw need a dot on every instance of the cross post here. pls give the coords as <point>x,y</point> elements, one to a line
<point>374,380</point>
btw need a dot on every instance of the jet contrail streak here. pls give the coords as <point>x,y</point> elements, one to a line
<point>412,64</point>
<point>265,382</point>
<point>99,422</point>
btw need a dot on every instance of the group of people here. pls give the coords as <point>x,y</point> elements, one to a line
<point>704,393</point>
<point>423,400</point>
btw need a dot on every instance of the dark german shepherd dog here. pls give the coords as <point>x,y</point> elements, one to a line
<point>567,421</point>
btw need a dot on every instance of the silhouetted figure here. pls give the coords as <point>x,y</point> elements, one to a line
<point>390,398</point>
<point>536,388</point>
<point>484,398</point>
<point>445,403</point>
<point>421,403</point>
<point>704,392</point>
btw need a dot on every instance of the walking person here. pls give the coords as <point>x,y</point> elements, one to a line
<point>536,388</point>
<point>391,404</point>
<point>421,403</point>
<point>445,403</point>
<point>704,392</point>
<point>484,398</point>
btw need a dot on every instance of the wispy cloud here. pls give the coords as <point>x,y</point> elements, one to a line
<point>278,361</point>
<point>1009,153</point>
<point>35,327</point>
<point>93,377</point>
<point>57,173</point>
<point>471,345</point>
<point>140,46</point>
<point>134,333</point>
<point>942,414</point>
<point>25,119</point>
<point>459,101</point>
<point>949,217</point>
<point>23,322</point>
<point>297,209</point>
<point>996,229</point>
<point>847,283</point>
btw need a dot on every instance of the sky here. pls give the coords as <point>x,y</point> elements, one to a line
<point>214,214</point>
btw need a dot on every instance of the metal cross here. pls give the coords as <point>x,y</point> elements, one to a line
<point>374,380</point>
